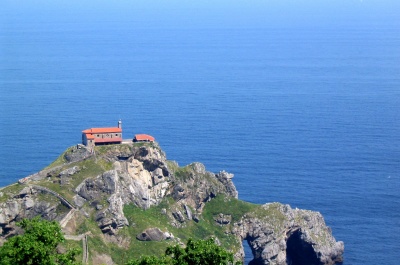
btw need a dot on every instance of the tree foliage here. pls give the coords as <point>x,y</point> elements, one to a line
<point>38,245</point>
<point>201,252</point>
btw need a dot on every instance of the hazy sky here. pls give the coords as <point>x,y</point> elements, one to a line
<point>212,13</point>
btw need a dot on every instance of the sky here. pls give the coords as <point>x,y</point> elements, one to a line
<point>202,13</point>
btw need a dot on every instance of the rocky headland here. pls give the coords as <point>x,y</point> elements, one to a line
<point>128,200</point>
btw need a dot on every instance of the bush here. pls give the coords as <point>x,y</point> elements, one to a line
<point>38,245</point>
<point>201,252</point>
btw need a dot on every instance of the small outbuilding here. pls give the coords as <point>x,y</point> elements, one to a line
<point>143,138</point>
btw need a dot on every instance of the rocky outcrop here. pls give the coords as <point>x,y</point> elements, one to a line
<point>141,175</point>
<point>194,186</point>
<point>77,153</point>
<point>66,174</point>
<point>152,234</point>
<point>28,203</point>
<point>281,235</point>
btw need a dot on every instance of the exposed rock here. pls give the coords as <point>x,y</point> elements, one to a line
<point>178,216</point>
<point>117,166</point>
<point>3,219</point>
<point>79,201</point>
<point>169,235</point>
<point>77,153</point>
<point>25,204</point>
<point>226,180</point>
<point>25,191</point>
<point>152,234</point>
<point>157,176</point>
<point>13,208</point>
<point>188,212</point>
<point>29,203</point>
<point>101,259</point>
<point>196,218</point>
<point>141,176</point>
<point>287,236</point>
<point>178,192</point>
<point>200,186</point>
<point>93,189</point>
<point>223,219</point>
<point>67,173</point>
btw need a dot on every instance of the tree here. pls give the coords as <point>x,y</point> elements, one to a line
<point>37,245</point>
<point>201,252</point>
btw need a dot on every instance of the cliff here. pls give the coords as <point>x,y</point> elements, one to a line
<point>128,200</point>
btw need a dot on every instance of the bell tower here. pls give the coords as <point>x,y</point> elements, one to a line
<point>120,124</point>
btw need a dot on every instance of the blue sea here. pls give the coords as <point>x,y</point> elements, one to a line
<point>301,101</point>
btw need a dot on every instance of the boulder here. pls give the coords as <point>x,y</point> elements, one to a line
<point>188,212</point>
<point>79,201</point>
<point>223,219</point>
<point>29,203</point>
<point>178,216</point>
<point>152,234</point>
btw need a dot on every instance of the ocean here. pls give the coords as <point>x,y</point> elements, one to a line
<point>303,109</point>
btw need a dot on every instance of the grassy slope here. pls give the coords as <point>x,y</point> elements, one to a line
<point>206,227</point>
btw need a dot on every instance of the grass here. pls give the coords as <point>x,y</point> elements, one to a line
<point>104,149</point>
<point>70,244</point>
<point>140,219</point>
<point>88,169</point>
<point>10,191</point>
<point>150,144</point>
<point>88,225</point>
<point>206,227</point>
<point>228,206</point>
<point>172,165</point>
<point>183,173</point>
<point>272,215</point>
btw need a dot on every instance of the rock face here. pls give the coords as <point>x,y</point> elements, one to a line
<point>76,153</point>
<point>27,204</point>
<point>151,234</point>
<point>285,236</point>
<point>141,175</point>
<point>197,186</point>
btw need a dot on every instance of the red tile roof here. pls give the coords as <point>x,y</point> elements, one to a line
<point>144,137</point>
<point>89,136</point>
<point>103,130</point>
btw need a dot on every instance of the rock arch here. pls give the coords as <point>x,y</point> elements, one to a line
<point>299,251</point>
<point>287,236</point>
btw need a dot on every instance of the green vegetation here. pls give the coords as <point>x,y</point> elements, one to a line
<point>37,245</point>
<point>123,148</point>
<point>141,220</point>
<point>119,148</point>
<point>10,191</point>
<point>229,206</point>
<point>201,252</point>
<point>183,173</point>
<point>89,168</point>
<point>160,216</point>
